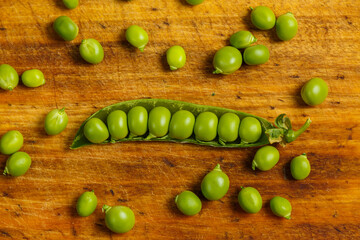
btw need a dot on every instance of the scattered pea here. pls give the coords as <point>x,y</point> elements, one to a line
<point>250,200</point>
<point>159,119</point>
<point>314,91</point>
<point>11,142</point>
<point>176,57</point>
<point>242,39</point>
<point>188,203</point>
<point>263,18</point>
<point>137,121</point>
<point>281,207</point>
<point>265,158</point>
<point>194,2</point>
<point>119,219</point>
<point>250,130</point>
<point>33,78</point>
<point>228,128</point>
<point>255,55</point>
<point>71,4</point>
<point>286,26</point>
<point>137,37</point>
<point>17,164</point>
<point>96,131</point>
<point>227,60</point>
<point>56,121</point>
<point>206,126</point>
<point>117,124</point>
<point>181,125</point>
<point>300,167</point>
<point>66,28</point>
<point>215,184</point>
<point>91,51</point>
<point>86,204</point>
<point>9,78</point>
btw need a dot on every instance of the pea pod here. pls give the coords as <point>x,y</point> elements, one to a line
<point>282,131</point>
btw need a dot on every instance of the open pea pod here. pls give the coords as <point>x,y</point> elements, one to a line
<point>282,131</point>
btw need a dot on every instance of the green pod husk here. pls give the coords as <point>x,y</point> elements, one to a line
<point>281,133</point>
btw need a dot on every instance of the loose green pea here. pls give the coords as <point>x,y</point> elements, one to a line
<point>176,57</point>
<point>137,37</point>
<point>17,164</point>
<point>119,219</point>
<point>159,118</point>
<point>33,78</point>
<point>286,26</point>
<point>117,124</point>
<point>255,55</point>
<point>86,204</point>
<point>188,203</point>
<point>250,130</point>
<point>9,78</point>
<point>215,184</point>
<point>137,121</point>
<point>314,91</point>
<point>263,18</point>
<point>11,142</point>
<point>181,125</point>
<point>242,39</point>
<point>265,158</point>
<point>300,167</point>
<point>91,51</point>
<point>250,200</point>
<point>228,128</point>
<point>206,126</point>
<point>227,60</point>
<point>56,121</point>
<point>96,131</point>
<point>194,2</point>
<point>66,28</point>
<point>71,4</point>
<point>281,207</point>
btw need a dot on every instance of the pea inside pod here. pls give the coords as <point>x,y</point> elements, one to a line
<point>96,131</point>
<point>117,124</point>
<point>205,128</point>
<point>159,119</point>
<point>281,207</point>
<point>137,121</point>
<point>66,28</point>
<point>250,130</point>
<point>17,164</point>
<point>176,57</point>
<point>181,125</point>
<point>119,219</point>
<point>9,78</point>
<point>286,26</point>
<point>33,78</point>
<point>242,39</point>
<point>11,142</point>
<point>228,128</point>
<point>137,37</point>
<point>56,121</point>
<point>86,204</point>
<point>194,2</point>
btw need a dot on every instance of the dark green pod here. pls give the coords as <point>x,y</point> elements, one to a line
<point>281,132</point>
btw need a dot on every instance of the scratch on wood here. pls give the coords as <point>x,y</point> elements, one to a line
<point>74,231</point>
<point>2,29</point>
<point>167,162</point>
<point>337,229</point>
<point>5,233</point>
<point>122,200</point>
<point>112,192</point>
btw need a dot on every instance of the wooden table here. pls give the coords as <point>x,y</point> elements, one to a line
<point>147,176</point>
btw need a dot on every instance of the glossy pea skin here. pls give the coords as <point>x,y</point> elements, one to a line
<point>159,119</point>
<point>286,26</point>
<point>215,184</point>
<point>117,124</point>
<point>194,2</point>
<point>188,203</point>
<point>56,121</point>
<point>137,37</point>
<point>228,128</point>
<point>255,55</point>
<point>33,78</point>
<point>181,125</point>
<point>205,128</point>
<point>66,28</point>
<point>9,78</point>
<point>300,167</point>
<point>227,60</point>
<point>242,39</point>
<point>91,51</point>
<point>11,142</point>
<point>266,158</point>
<point>119,219</point>
<point>71,4</point>
<point>250,130</point>
<point>86,204</point>
<point>263,18</point>
<point>17,164</point>
<point>281,207</point>
<point>138,121</point>
<point>314,91</point>
<point>96,131</point>
<point>176,57</point>
<point>250,200</point>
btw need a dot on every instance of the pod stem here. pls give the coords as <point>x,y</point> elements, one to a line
<point>105,208</point>
<point>253,165</point>
<point>217,71</point>
<point>291,135</point>
<point>150,136</point>
<point>251,8</point>
<point>6,171</point>
<point>217,168</point>
<point>141,48</point>
<point>62,110</point>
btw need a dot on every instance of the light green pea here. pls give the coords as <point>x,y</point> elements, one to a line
<point>176,57</point>
<point>17,164</point>
<point>227,60</point>
<point>71,4</point>
<point>56,121</point>
<point>286,26</point>
<point>86,204</point>
<point>9,78</point>
<point>96,131</point>
<point>250,199</point>
<point>188,203</point>
<point>266,158</point>
<point>194,2</point>
<point>66,28</point>
<point>137,121</point>
<point>181,125</point>
<point>11,142</point>
<point>91,51</point>
<point>137,37</point>
<point>255,55</point>
<point>228,128</point>
<point>281,207</point>
<point>263,18</point>
<point>117,124</point>
<point>33,78</point>
<point>300,167</point>
<point>159,118</point>
<point>250,130</point>
<point>205,128</point>
<point>242,39</point>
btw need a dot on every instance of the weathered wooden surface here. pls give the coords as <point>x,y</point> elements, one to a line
<point>147,176</point>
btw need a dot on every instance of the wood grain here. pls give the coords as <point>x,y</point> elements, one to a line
<point>147,176</point>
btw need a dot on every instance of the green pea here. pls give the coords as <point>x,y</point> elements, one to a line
<point>228,128</point>
<point>71,4</point>
<point>255,55</point>
<point>181,125</point>
<point>119,219</point>
<point>137,37</point>
<point>33,78</point>
<point>263,18</point>
<point>188,203</point>
<point>250,130</point>
<point>314,91</point>
<point>194,2</point>
<point>17,164</point>
<point>206,126</point>
<point>215,184</point>
<point>56,121</point>
<point>96,131</point>
<point>266,158</point>
<point>286,26</point>
<point>66,28</point>
<point>242,39</point>
<point>250,199</point>
<point>86,204</point>
<point>137,120</point>
<point>300,167</point>
<point>176,57</point>
<point>11,142</point>
<point>9,78</point>
<point>117,124</point>
<point>227,60</point>
<point>281,207</point>
<point>159,118</point>
<point>91,51</point>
